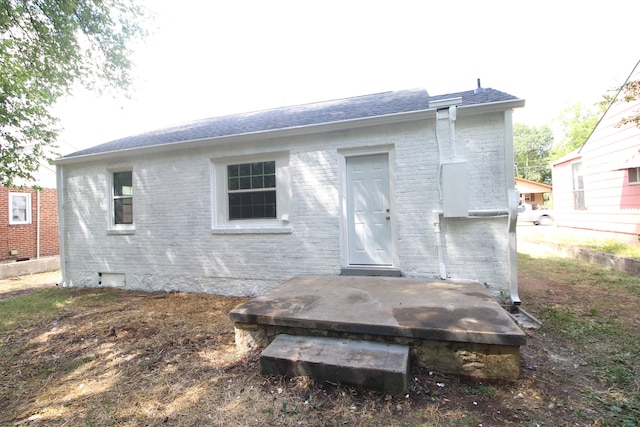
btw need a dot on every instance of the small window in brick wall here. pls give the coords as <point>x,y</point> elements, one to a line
<point>19,208</point>
<point>123,197</point>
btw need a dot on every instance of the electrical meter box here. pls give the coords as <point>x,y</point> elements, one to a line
<point>455,190</point>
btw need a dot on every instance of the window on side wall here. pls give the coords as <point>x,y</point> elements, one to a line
<point>578,186</point>
<point>634,175</point>
<point>251,190</point>
<point>122,200</point>
<point>19,208</point>
<point>251,194</point>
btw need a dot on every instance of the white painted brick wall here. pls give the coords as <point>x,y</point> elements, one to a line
<point>173,247</point>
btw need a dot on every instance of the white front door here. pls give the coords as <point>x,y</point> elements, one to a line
<point>368,210</point>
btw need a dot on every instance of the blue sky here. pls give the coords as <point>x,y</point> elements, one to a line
<point>210,58</point>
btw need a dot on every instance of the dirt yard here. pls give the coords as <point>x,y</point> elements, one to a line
<point>110,357</point>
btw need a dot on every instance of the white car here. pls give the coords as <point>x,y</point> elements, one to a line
<point>534,214</point>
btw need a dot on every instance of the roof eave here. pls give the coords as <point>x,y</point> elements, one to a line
<point>490,107</point>
<point>257,136</point>
<point>293,131</point>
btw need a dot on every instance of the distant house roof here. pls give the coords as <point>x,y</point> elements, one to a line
<point>528,186</point>
<point>575,154</point>
<point>367,106</point>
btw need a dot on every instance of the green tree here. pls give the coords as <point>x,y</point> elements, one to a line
<point>577,123</point>
<point>631,93</point>
<point>531,151</point>
<point>46,48</point>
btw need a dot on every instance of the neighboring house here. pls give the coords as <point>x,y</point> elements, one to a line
<point>533,193</point>
<point>597,187</point>
<point>28,223</point>
<point>396,183</point>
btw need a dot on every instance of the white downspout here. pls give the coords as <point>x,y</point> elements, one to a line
<point>439,156</point>
<point>513,197</point>
<point>61,228</point>
<point>436,215</point>
<point>453,113</point>
<point>38,226</point>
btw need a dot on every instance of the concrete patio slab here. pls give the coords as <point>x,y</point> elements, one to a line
<point>396,307</point>
<point>454,327</point>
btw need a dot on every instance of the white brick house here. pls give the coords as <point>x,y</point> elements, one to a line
<point>396,183</point>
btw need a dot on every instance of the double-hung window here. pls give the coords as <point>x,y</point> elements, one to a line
<point>251,194</point>
<point>19,208</point>
<point>251,188</point>
<point>578,186</point>
<point>122,198</point>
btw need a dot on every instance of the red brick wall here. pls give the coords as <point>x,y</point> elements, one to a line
<point>23,237</point>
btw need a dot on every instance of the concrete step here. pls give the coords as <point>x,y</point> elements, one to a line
<point>366,364</point>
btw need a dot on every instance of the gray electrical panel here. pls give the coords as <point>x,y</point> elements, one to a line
<point>455,190</point>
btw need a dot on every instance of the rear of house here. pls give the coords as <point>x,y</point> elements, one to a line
<point>597,188</point>
<point>396,183</point>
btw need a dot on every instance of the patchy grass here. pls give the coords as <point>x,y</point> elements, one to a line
<point>594,322</point>
<point>97,357</point>
<point>613,246</point>
<point>567,237</point>
<point>571,272</point>
<point>37,305</point>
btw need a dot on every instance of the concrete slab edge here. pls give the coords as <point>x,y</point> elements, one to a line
<point>32,266</point>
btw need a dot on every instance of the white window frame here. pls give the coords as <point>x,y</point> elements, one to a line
<point>577,173</point>
<point>13,200</point>
<point>220,222</point>
<point>114,228</point>
<point>637,176</point>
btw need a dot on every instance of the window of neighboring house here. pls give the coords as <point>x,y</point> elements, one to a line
<point>122,197</point>
<point>527,197</point>
<point>251,194</point>
<point>578,186</point>
<point>634,175</point>
<point>251,188</point>
<point>19,208</point>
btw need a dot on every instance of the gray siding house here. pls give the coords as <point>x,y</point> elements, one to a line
<point>397,183</point>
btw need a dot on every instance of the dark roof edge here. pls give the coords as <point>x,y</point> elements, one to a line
<point>259,135</point>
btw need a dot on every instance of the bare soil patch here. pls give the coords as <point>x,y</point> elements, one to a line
<point>13,286</point>
<point>126,358</point>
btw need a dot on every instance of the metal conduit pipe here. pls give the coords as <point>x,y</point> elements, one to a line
<point>484,213</point>
<point>437,215</point>
<point>437,227</point>
<point>491,213</point>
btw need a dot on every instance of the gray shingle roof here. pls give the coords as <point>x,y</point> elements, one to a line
<point>379,104</point>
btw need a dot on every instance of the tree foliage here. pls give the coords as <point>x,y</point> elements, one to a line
<point>47,47</point>
<point>576,122</point>
<point>531,151</point>
<point>631,93</point>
